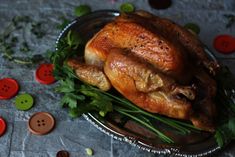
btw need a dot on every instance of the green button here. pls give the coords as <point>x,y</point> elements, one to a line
<point>193,27</point>
<point>24,102</point>
<point>127,8</point>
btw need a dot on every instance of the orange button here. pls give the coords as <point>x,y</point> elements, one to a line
<point>41,123</point>
<point>44,74</point>
<point>224,44</point>
<point>8,88</point>
<point>3,126</point>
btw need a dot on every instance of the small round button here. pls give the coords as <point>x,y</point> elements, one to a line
<point>224,44</point>
<point>62,153</point>
<point>24,102</point>
<point>44,74</point>
<point>8,88</point>
<point>3,126</point>
<point>41,123</point>
<point>160,4</point>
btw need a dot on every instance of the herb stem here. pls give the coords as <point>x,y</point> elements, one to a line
<point>19,61</point>
<point>159,133</point>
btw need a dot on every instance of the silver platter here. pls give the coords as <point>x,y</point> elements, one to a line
<point>195,145</point>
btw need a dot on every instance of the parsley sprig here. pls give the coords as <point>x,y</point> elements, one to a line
<point>225,99</point>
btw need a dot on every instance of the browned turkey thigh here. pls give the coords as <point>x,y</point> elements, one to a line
<point>147,87</point>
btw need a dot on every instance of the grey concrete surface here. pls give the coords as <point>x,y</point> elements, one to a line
<point>76,135</point>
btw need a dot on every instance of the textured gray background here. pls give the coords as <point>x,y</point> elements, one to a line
<point>76,135</point>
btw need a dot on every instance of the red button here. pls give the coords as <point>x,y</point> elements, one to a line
<point>224,44</point>
<point>3,126</point>
<point>44,74</point>
<point>8,88</point>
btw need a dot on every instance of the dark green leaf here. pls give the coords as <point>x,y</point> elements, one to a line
<point>231,125</point>
<point>37,30</point>
<point>71,100</point>
<point>37,58</point>
<point>82,10</point>
<point>24,47</point>
<point>73,39</point>
<point>73,112</point>
<point>219,138</point>
<point>66,86</point>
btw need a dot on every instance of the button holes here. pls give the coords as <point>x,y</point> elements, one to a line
<point>39,125</point>
<point>26,101</point>
<point>43,124</point>
<point>43,120</point>
<point>38,121</point>
<point>6,90</point>
<point>22,102</point>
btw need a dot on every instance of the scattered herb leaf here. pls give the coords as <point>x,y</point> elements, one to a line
<point>37,30</point>
<point>9,42</point>
<point>82,10</point>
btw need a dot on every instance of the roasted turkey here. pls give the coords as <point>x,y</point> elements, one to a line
<point>158,65</point>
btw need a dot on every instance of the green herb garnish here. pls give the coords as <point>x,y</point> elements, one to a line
<point>37,30</point>
<point>226,100</point>
<point>9,43</point>
<point>82,10</point>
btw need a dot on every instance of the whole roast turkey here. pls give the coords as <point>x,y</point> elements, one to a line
<point>156,64</point>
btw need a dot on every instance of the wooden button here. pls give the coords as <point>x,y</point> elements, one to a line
<point>44,74</point>
<point>41,123</point>
<point>8,88</point>
<point>62,153</point>
<point>3,126</point>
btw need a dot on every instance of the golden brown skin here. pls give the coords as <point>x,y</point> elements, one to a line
<point>143,42</point>
<point>154,63</point>
<point>90,74</point>
<point>184,37</point>
<point>146,87</point>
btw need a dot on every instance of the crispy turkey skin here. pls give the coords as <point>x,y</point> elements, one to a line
<point>156,64</point>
